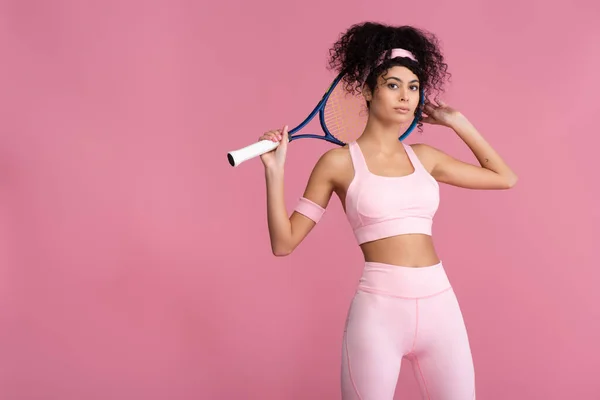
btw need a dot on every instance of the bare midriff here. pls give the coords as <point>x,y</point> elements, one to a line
<point>409,250</point>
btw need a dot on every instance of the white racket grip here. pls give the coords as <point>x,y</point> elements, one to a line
<point>236,157</point>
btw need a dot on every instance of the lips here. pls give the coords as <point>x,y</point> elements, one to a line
<point>401,110</point>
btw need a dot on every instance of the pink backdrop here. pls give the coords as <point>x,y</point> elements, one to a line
<point>135,264</point>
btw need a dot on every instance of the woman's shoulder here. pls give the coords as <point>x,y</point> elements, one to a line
<point>427,154</point>
<point>334,162</point>
<point>336,158</point>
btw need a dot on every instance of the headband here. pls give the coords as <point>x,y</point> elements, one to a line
<point>398,53</point>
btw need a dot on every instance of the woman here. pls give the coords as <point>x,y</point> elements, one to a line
<point>404,305</point>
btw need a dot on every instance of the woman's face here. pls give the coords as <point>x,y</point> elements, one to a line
<point>396,96</point>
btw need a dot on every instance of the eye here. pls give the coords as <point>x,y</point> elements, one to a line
<point>414,87</point>
<point>392,85</point>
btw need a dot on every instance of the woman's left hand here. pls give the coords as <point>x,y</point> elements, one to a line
<point>440,114</point>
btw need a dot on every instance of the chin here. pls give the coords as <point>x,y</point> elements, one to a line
<point>404,119</point>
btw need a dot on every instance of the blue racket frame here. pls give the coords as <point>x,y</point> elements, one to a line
<point>320,108</point>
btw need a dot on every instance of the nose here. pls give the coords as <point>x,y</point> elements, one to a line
<point>403,93</point>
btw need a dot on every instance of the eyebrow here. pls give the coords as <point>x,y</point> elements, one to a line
<point>400,80</point>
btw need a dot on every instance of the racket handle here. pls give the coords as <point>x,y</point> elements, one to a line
<point>236,157</point>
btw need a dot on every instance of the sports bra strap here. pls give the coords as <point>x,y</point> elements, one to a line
<point>358,160</point>
<point>413,158</point>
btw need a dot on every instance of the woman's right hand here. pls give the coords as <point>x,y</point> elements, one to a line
<point>276,157</point>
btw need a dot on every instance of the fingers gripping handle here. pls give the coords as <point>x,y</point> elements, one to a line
<point>237,157</point>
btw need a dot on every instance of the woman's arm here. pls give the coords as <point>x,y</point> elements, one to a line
<point>492,172</point>
<point>286,233</point>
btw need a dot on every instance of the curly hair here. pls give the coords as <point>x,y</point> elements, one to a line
<point>360,49</point>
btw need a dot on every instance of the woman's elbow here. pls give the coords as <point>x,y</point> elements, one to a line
<point>512,181</point>
<point>282,251</point>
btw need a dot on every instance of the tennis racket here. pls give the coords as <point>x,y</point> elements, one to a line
<point>342,116</point>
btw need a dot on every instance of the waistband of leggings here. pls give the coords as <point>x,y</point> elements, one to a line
<point>404,282</point>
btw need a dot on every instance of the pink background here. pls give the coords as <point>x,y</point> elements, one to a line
<point>134,261</point>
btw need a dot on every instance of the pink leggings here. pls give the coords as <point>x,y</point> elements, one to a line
<point>406,312</point>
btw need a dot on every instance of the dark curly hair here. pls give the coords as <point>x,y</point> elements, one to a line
<point>361,47</point>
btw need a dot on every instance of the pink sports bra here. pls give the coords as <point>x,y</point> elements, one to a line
<point>380,206</point>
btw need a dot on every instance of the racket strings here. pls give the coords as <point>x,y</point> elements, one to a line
<point>345,115</point>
